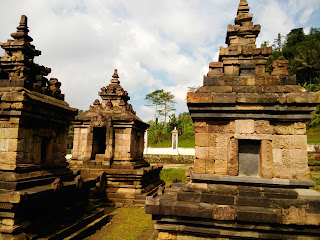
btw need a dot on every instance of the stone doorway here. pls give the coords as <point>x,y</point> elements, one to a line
<point>249,157</point>
<point>46,149</point>
<point>99,141</point>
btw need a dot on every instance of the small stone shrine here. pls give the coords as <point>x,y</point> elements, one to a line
<point>251,175</point>
<point>109,138</point>
<point>37,190</point>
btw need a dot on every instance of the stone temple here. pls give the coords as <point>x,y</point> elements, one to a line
<point>109,138</point>
<point>251,175</point>
<point>38,193</point>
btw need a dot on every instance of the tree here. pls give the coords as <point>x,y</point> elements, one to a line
<point>163,102</point>
<point>154,99</point>
<point>265,44</point>
<point>167,103</point>
<point>277,44</point>
<point>306,63</point>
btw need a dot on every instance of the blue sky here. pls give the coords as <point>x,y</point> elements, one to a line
<point>154,44</point>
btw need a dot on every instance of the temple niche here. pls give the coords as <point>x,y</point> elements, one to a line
<point>251,177</point>
<point>109,138</point>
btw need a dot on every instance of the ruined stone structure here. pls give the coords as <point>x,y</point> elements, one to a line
<point>109,138</point>
<point>36,187</point>
<point>251,174</point>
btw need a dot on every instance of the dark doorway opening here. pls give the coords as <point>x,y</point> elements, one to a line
<point>46,149</point>
<point>99,141</point>
<point>249,157</point>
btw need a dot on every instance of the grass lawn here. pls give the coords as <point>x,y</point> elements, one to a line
<point>168,175</point>
<point>183,143</point>
<point>316,177</point>
<point>129,224</point>
<point>314,134</point>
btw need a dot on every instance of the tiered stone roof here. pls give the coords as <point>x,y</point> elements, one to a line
<point>17,67</point>
<point>114,104</point>
<point>239,78</point>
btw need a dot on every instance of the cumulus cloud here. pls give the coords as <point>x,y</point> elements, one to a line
<point>153,44</point>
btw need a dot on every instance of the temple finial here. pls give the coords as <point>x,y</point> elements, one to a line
<point>243,15</point>
<point>24,21</point>
<point>115,77</point>
<point>115,74</point>
<point>22,30</point>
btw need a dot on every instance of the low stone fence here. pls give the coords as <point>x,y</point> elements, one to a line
<point>169,151</point>
<point>169,159</point>
<point>169,155</point>
<point>311,146</point>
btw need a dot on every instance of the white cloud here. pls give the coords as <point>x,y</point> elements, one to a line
<point>153,44</point>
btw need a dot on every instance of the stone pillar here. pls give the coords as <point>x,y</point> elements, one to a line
<point>175,139</point>
<point>145,142</point>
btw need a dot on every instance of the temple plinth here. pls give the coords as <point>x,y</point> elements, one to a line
<point>251,177</point>
<point>109,138</point>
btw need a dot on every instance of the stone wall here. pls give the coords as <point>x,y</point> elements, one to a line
<point>283,147</point>
<point>169,159</point>
<point>22,143</point>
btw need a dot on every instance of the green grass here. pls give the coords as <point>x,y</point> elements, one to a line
<point>168,175</point>
<point>132,222</point>
<point>313,140</point>
<point>163,144</point>
<point>314,134</point>
<point>183,143</point>
<point>186,143</point>
<point>313,162</point>
<point>316,177</point>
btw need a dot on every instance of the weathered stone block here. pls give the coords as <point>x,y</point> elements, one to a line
<point>11,157</point>
<point>252,201</point>
<point>210,166</point>
<point>231,70</point>
<point>244,126</point>
<point>281,142</point>
<point>201,152</point>
<point>263,127</point>
<point>220,127</point>
<point>9,133</point>
<point>188,196</point>
<point>224,97</point>
<point>313,219</point>
<point>202,139</point>
<point>302,171</point>
<point>198,98</point>
<point>266,155</point>
<point>217,153</point>
<point>223,212</point>
<point>199,166</point>
<point>201,127</point>
<point>233,161</point>
<point>297,128</point>
<point>221,167</point>
<point>299,156</point>
<point>299,142</point>
<point>294,215</point>
<point>167,236</point>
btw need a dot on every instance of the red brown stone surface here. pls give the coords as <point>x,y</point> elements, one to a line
<point>37,190</point>
<point>256,105</point>
<point>109,137</point>
<point>251,177</point>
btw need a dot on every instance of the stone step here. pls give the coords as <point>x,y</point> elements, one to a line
<point>35,182</point>
<point>89,229</point>
<point>82,228</point>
